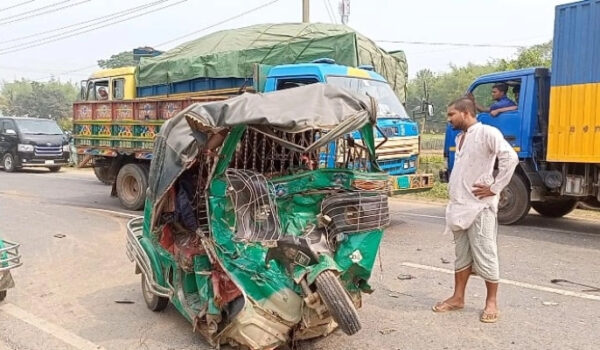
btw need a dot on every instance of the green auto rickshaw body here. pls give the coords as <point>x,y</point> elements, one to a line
<point>229,288</point>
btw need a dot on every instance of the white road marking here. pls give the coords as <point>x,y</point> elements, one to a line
<point>114,212</point>
<point>49,328</point>
<point>546,229</point>
<point>511,282</point>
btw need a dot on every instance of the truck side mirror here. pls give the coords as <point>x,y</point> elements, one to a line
<point>430,110</point>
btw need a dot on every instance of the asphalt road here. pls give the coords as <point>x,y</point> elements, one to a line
<point>70,291</point>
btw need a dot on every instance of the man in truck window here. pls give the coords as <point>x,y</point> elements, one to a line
<point>502,104</point>
<point>473,204</point>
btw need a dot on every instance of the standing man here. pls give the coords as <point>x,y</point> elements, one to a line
<point>473,205</point>
<point>502,104</point>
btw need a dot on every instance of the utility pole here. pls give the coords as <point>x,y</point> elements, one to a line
<point>305,11</point>
<point>345,10</point>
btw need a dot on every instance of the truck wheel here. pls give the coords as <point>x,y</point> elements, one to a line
<point>132,182</point>
<point>555,208</point>
<point>338,302</point>
<point>154,302</point>
<point>54,169</point>
<point>102,174</point>
<point>9,163</point>
<point>514,201</point>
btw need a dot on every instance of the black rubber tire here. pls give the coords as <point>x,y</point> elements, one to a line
<point>154,302</point>
<point>2,295</point>
<point>132,182</point>
<point>102,174</point>
<point>9,160</point>
<point>338,302</point>
<point>555,208</point>
<point>54,169</point>
<point>514,201</point>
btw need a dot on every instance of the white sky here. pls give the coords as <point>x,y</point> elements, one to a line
<point>499,22</point>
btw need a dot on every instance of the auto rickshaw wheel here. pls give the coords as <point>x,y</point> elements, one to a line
<point>154,302</point>
<point>2,294</point>
<point>338,302</point>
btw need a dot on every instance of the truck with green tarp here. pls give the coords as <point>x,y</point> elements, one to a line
<point>121,110</point>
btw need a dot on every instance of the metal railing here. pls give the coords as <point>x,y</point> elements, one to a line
<point>137,254</point>
<point>9,256</point>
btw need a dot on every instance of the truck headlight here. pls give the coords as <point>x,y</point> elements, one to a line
<point>412,163</point>
<point>66,148</point>
<point>24,148</point>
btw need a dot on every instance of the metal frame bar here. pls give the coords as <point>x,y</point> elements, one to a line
<point>137,254</point>
<point>14,258</point>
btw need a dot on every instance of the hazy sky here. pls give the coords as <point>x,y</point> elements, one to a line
<point>506,22</point>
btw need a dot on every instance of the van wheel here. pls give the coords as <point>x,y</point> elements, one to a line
<point>154,302</point>
<point>514,201</point>
<point>54,169</point>
<point>132,182</point>
<point>9,163</point>
<point>555,208</point>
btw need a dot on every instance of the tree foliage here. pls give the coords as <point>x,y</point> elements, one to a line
<point>447,86</point>
<point>53,99</point>
<point>122,59</point>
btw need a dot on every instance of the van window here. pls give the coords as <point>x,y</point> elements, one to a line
<point>118,89</point>
<point>7,124</point>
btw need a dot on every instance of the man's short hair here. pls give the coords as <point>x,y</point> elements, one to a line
<point>501,87</point>
<point>464,105</point>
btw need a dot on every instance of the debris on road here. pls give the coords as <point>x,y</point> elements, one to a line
<point>445,261</point>
<point>403,277</point>
<point>60,235</point>
<point>387,331</point>
<point>549,303</point>
<point>124,302</point>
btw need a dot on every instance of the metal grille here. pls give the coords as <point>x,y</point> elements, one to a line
<point>354,212</point>
<point>256,213</point>
<point>276,153</point>
<point>48,151</point>
<point>205,165</point>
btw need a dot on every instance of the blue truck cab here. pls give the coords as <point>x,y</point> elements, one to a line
<point>525,129</point>
<point>399,154</point>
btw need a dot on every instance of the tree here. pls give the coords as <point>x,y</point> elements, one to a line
<point>445,87</point>
<point>122,59</point>
<point>53,99</point>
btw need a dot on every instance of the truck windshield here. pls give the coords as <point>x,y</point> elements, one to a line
<point>38,127</point>
<point>388,104</point>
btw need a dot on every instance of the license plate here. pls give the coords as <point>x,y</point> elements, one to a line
<point>49,162</point>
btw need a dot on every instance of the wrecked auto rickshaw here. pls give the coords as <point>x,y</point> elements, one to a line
<point>263,216</point>
<point>9,259</point>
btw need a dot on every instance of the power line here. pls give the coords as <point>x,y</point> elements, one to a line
<point>34,10</point>
<point>218,23</point>
<point>332,11</point>
<point>41,42</point>
<point>99,20</point>
<point>175,39</point>
<point>448,44</point>
<point>328,11</point>
<point>16,5</point>
<point>45,12</point>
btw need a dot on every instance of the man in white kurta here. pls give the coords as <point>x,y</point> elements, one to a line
<point>473,204</point>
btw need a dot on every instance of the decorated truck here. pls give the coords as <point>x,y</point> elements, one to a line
<point>121,110</point>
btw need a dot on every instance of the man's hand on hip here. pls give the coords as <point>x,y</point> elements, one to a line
<point>482,191</point>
